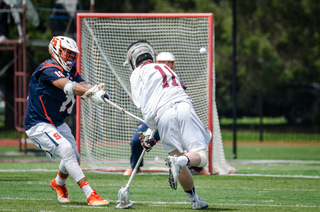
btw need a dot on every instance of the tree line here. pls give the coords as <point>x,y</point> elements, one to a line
<point>277,41</point>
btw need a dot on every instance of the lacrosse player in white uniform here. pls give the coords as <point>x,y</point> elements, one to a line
<point>168,59</point>
<point>156,90</point>
<point>52,91</point>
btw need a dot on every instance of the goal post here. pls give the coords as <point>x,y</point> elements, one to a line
<point>103,133</point>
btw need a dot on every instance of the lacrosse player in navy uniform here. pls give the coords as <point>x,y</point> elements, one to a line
<point>52,91</point>
<point>166,107</point>
<point>136,148</point>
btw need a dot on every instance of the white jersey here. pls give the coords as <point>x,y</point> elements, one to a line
<point>155,87</point>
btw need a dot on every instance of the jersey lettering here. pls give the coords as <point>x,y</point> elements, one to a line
<point>59,73</point>
<point>164,77</point>
<point>56,136</point>
<point>65,103</point>
<point>174,82</point>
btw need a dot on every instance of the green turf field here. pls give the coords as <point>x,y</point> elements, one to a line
<point>270,178</point>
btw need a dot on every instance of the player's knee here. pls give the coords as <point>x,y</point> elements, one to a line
<point>65,150</point>
<point>204,157</point>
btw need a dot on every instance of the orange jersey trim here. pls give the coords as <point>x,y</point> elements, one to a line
<point>50,65</point>
<point>45,112</point>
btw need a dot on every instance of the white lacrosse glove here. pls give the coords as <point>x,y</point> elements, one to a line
<point>97,94</point>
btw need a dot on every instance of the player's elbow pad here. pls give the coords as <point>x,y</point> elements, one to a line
<point>69,88</point>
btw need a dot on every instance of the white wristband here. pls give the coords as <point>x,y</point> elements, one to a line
<point>69,88</point>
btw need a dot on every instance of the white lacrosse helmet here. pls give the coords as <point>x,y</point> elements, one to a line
<point>139,51</point>
<point>64,50</point>
<point>165,56</point>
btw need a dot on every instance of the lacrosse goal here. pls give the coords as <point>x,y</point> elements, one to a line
<point>103,133</point>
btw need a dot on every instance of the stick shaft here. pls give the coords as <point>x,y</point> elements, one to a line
<point>138,162</point>
<point>136,168</point>
<point>123,110</point>
<point>144,150</point>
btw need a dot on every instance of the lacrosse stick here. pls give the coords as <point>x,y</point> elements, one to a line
<point>123,110</point>
<point>123,194</point>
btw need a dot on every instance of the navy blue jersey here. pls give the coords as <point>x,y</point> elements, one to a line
<point>46,102</point>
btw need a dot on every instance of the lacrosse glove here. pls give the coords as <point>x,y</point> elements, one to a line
<point>145,140</point>
<point>97,94</point>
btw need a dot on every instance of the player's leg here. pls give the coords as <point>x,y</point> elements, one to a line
<point>181,130</point>
<point>69,165</point>
<point>196,145</point>
<point>65,131</point>
<point>48,138</point>
<point>136,148</point>
<point>63,174</point>
<point>185,177</point>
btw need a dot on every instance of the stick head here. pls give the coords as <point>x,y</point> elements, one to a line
<point>124,205</point>
<point>123,199</point>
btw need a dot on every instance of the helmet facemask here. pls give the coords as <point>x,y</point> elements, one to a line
<point>68,57</point>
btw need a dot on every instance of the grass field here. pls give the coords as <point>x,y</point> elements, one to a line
<point>270,178</point>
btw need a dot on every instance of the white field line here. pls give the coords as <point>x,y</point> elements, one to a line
<point>29,170</point>
<point>165,186</point>
<point>233,174</point>
<point>161,204</point>
<point>275,175</point>
<point>273,162</point>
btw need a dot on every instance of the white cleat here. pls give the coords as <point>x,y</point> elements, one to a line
<point>199,204</point>
<point>174,170</point>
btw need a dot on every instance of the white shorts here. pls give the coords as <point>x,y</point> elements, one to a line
<point>48,137</point>
<point>180,128</point>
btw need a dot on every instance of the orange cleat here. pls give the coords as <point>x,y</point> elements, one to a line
<point>61,191</point>
<point>95,199</point>
<point>129,172</point>
<point>200,172</point>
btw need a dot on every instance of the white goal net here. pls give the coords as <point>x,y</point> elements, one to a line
<point>103,132</point>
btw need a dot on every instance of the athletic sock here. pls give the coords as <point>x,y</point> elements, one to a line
<point>60,180</point>
<point>87,190</point>
<point>193,196</point>
<point>183,160</point>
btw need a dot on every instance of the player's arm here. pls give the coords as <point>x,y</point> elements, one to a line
<point>84,83</point>
<point>71,88</point>
<point>96,93</point>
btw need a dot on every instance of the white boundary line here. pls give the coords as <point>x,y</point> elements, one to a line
<point>270,175</point>
<point>233,174</point>
<point>159,203</point>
